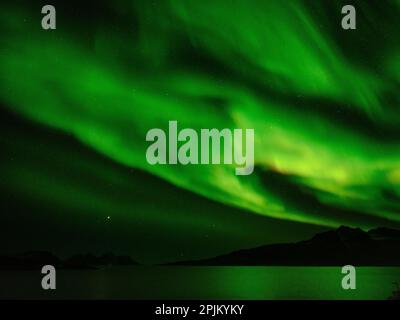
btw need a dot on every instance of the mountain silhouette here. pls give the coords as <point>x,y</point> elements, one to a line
<point>377,247</point>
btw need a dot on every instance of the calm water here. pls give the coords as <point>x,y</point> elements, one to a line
<point>202,283</point>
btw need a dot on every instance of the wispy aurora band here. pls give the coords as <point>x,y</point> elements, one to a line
<point>272,69</point>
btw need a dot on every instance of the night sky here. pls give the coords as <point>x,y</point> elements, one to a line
<point>76,103</point>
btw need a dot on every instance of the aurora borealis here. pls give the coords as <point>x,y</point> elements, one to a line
<point>77,103</point>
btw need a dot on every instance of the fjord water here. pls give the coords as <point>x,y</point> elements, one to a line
<point>173,282</point>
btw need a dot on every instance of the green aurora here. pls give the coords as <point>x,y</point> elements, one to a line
<point>324,104</point>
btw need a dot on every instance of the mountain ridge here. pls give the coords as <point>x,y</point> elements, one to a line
<point>344,245</point>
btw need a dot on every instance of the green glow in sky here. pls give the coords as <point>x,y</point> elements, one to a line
<point>325,114</point>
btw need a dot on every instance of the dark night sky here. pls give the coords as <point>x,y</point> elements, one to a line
<point>76,103</point>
